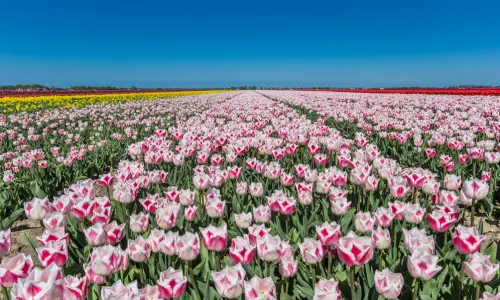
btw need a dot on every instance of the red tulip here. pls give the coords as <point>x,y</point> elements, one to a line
<point>215,238</point>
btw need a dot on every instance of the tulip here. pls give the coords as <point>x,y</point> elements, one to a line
<point>327,290</point>
<point>466,239</point>
<point>149,293</point>
<point>286,251</point>
<point>150,203</point>
<point>488,296</point>
<point>138,250</point>
<point>479,268</point>
<point>37,209</point>
<point>258,288</point>
<point>92,277</point>
<point>485,176</point>
<point>190,213</point>
<point>167,216</point>
<point>311,251</point>
<point>447,198</point>
<point>155,239</point>
<point>417,238</point>
<point>363,222</point>
<point>229,282</point>
<point>215,238</point>
<point>187,246</point>
<point>256,189</point>
<point>124,194</point>
<point>414,213</point>
<point>353,250</point>
<point>287,205</point>
<point>475,189</point>
<point>423,265</point>
<point>215,208</point>
<point>120,291</point>
<point>75,288</point>
<point>268,247</point>
<point>452,182</point>
<point>172,283</point>
<point>139,222</point>
<point>54,220</point>
<point>340,206</point>
<point>201,181</point>
<point>255,232</point>
<point>383,217</point>
<point>288,267</point>
<point>95,235</point>
<point>5,242</point>
<point>62,204</point>
<point>114,232</point>
<point>40,284</point>
<point>322,187</point>
<point>398,209</point>
<point>186,197</point>
<point>328,233</point>
<point>439,221</point>
<point>241,251</point>
<point>399,190</point>
<point>105,180</point>
<point>430,187</point>
<point>241,188</point>
<point>388,284</point>
<point>53,253</point>
<point>262,214</point>
<point>167,245</point>
<point>14,268</point>
<point>381,238</point>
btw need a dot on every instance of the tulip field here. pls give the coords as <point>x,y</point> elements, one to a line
<point>251,195</point>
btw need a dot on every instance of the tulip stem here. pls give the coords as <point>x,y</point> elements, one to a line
<point>415,289</point>
<point>5,294</point>
<point>329,262</point>
<point>352,276</point>
<point>193,280</point>
<point>313,272</point>
<point>478,290</point>
<point>462,259</point>
<point>473,208</point>
<point>217,261</point>
<point>268,266</point>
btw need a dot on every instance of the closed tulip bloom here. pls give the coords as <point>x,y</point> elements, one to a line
<point>463,158</point>
<point>201,181</point>
<point>311,251</point>
<point>310,175</point>
<point>423,265</point>
<point>371,183</point>
<point>475,153</point>
<point>92,277</point>
<point>95,235</point>
<point>328,233</point>
<point>172,283</point>
<point>167,216</point>
<point>256,232</point>
<point>287,205</point>
<point>414,213</point>
<point>479,268</point>
<point>139,222</point>
<point>452,182</point>
<point>268,247</point>
<point>305,198</point>
<point>354,250</point>
<point>75,288</point>
<point>389,284</point>
<point>363,222</point>
<point>138,250</point>
<point>286,179</point>
<point>256,189</point>
<point>241,188</point>
<point>62,204</point>
<point>190,213</point>
<point>44,284</point>
<point>104,260</point>
<point>383,217</point>
<point>439,221</point>
<point>398,209</point>
<point>14,268</point>
<point>114,232</point>
<point>149,293</point>
<point>53,253</point>
<point>327,290</point>
<point>150,203</point>
<point>37,209</point>
<point>186,197</point>
<point>120,291</point>
<point>260,289</point>
<point>105,180</point>
<point>323,187</point>
<point>488,296</point>
<point>54,220</point>
<point>155,239</point>
<point>430,187</point>
<point>229,282</point>
<point>381,238</point>
<point>466,239</point>
<point>475,189</point>
<point>286,251</point>
<point>262,214</point>
<point>5,242</point>
<point>417,238</point>
<point>215,208</point>
<point>100,214</point>
<point>288,267</point>
<point>463,199</point>
<point>215,238</point>
<point>399,190</point>
<point>340,206</point>
<point>448,198</point>
<point>124,194</point>
<point>167,245</point>
<point>243,220</point>
<point>187,246</point>
<point>241,251</point>
<point>486,176</point>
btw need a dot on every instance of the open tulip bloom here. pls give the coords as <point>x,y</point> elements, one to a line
<point>250,194</point>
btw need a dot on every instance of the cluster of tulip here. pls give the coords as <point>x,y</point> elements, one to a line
<point>259,198</point>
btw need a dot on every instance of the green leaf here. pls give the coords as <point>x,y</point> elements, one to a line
<point>36,190</point>
<point>16,215</point>
<point>491,250</point>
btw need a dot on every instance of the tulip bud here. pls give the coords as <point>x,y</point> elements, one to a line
<point>389,284</point>
<point>172,283</point>
<point>466,239</point>
<point>327,290</point>
<point>258,288</point>
<point>187,246</point>
<point>479,268</point>
<point>229,282</point>
<point>311,251</point>
<point>354,250</point>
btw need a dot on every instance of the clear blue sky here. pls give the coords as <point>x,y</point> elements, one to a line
<point>267,43</point>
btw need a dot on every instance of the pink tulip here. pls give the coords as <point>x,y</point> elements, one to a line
<point>201,181</point>
<point>255,232</point>
<point>439,221</point>
<point>82,209</point>
<point>258,288</point>
<point>475,189</point>
<point>383,217</point>
<point>305,198</point>
<point>485,176</point>
<point>256,189</point>
<point>150,203</point>
<point>62,204</point>
<point>149,293</point>
<point>229,282</point>
<point>286,251</point>
<point>414,213</point>
<point>168,245</point>
<point>155,239</point>
<point>75,288</point>
<point>172,283</point>
<point>423,265</point>
<point>328,233</point>
<point>92,277</point>
<point>287,205</point>
<point>286,179</point>
<point>167,216</point>
<point>288,267</point>
<point>452,182</point>
<point>354,250</point>
<point>186,197</point>
<point>327,290</point>
<point>215,238</point>
<point>105,180</point>
<point>399,190</point>
<point>311,251</point>
<point>488,296</point>
<point>95,235</point>
<point>268,247</point>
<point>53,253</point>
<point>398,209</point>
<point>475,153</point>
<point>114,232</point>
<point>139,222</point>
<point>37,209</point>
<point>187,246</point>
<point>54,220</point>
<point>388,284</point>
<point>340,206</point>
<point>381,238</point>
<point>14,268</point>
<point>241,188</point>
<point>479,268</point>
<point>371,183</point>
<point>466,239</point>
<point>215,207</point>
<point>243,220</point>
<point>430,152</point>
<point>190,213</point>
<point>430,187</point>
<point>262,214</point>
<point>363,222</point>
<point>5,242</point>
<point>120,291</point>
<point>417,238</point>
<point>463,159</point>
<point>138,250</point>
<point>44,284</point>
